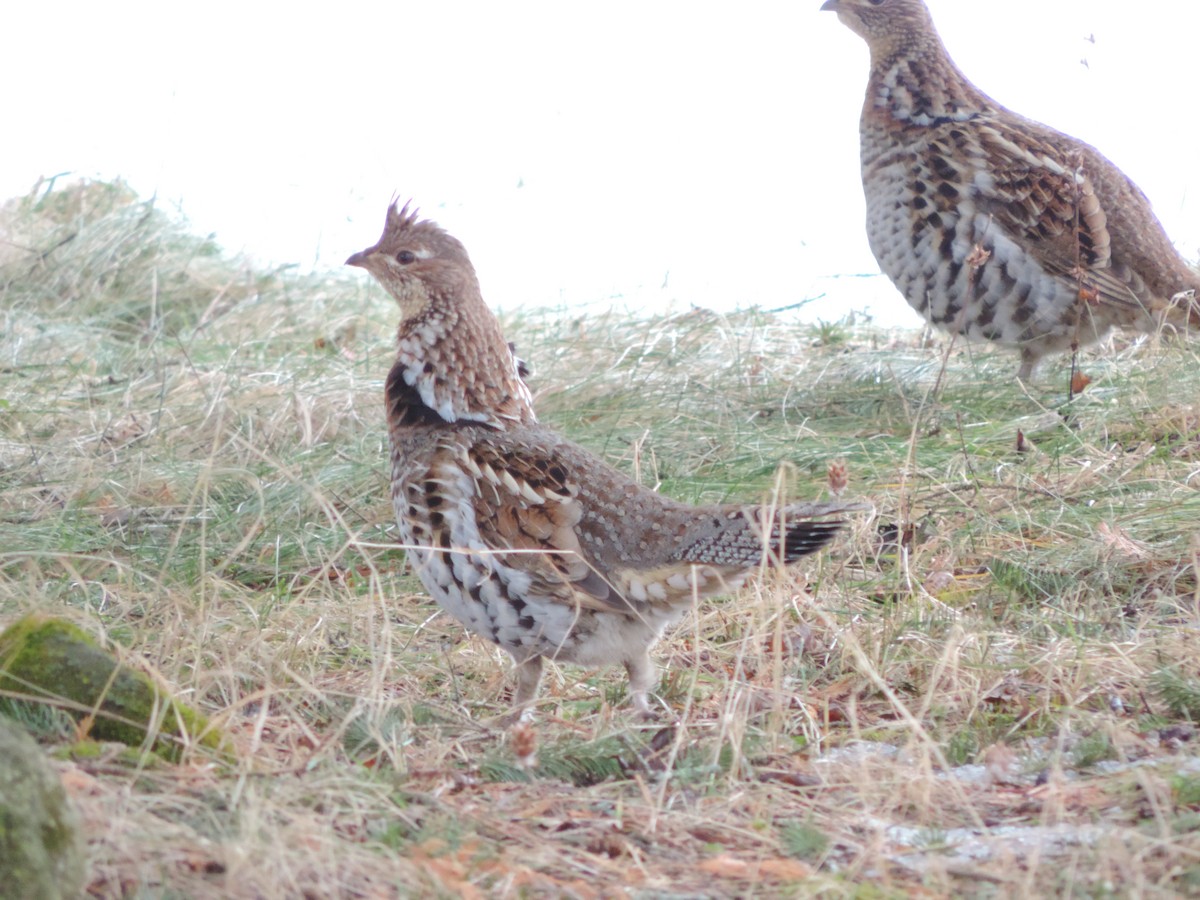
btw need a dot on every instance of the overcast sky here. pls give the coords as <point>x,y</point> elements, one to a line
<point>644,153</point>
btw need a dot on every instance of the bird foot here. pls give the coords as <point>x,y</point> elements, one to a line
<point>521,715</point>
<point>643,711</point>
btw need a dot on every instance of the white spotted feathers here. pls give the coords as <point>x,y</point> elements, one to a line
<point>527,539</point>
<point>994,226</point>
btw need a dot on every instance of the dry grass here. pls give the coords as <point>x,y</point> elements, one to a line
<point>986,688</point>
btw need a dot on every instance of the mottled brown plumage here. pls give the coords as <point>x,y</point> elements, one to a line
<point>450,353</point>
<point>992,225</point>
<point>525,538</point>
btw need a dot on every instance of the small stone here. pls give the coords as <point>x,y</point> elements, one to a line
<point>48,660</point>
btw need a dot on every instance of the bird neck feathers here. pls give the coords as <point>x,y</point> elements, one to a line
<point>454,367</point>
<point>916,82</point>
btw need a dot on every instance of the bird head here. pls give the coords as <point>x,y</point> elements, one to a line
<point>451,359</point>
<point>880,22</point>
<point>417,262</point>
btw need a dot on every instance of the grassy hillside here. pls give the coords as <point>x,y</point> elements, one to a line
<point>986,687</point>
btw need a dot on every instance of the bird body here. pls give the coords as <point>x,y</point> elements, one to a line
<point>992,225</point>
<point>528,539</point>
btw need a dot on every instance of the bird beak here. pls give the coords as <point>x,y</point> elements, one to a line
<point>829,6</point>
<point>359,259</point>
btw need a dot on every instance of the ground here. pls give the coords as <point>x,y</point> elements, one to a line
<point>985,687</point>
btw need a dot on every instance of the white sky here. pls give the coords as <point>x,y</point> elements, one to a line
<point>583,154</point>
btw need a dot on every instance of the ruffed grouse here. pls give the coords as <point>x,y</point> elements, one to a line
<point>527,539</point>
<point>994,226</point>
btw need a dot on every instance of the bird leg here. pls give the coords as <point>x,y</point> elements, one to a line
<point>641,678</point>
<point>1029,360</point>
<point>529,675</point>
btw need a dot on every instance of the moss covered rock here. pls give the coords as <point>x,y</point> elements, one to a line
<point>41,852</point>
<point>43,659</point>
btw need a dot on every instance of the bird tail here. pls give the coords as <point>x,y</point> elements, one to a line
<point>740,536</point>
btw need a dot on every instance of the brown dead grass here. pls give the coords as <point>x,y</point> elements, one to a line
<point>985,688</point>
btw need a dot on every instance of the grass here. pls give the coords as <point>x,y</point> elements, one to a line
<point>985,688</point>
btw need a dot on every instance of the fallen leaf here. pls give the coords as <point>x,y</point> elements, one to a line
<point>838,477</point>
<point>726,866</point>
<point>523,740</point>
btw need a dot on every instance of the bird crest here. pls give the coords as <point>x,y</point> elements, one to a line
<point>401,219</point>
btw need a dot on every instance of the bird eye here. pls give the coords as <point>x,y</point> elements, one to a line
<point>877,2</point>
<point>404,257</point>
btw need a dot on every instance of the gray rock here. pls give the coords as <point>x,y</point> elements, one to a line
<point>41,852</point>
